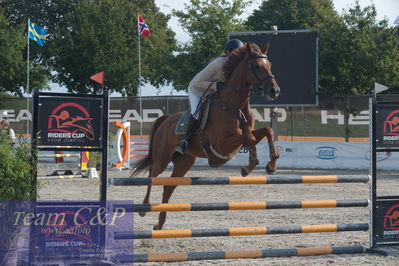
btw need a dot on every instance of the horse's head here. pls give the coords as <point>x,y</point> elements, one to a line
<point>248,68</point>
<point>260,72</point>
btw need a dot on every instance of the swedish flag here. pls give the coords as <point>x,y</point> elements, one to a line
<point>36,33</point>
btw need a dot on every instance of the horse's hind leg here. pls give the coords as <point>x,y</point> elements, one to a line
<point>146,199</point>
<point>253,161</point>
<point>271,166</point>
<point>182,164</point>
<point>156,169</point>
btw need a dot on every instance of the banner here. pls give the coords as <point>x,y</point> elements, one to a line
<point>318,155</point>
<point>70,122</point>
<point>388,126</point>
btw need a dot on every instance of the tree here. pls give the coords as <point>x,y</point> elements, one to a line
<point>292,14</point>
<point>85,37</point>
<point>360,51</point>
<point>45,13</point>
<point>304,14</point>
<point>355,50</point>
<point>102,36</point>
<point>13,78</point>
<point>208,24</point>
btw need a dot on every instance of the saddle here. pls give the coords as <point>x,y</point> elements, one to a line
<point>182,124</point>
<point>214,158</point>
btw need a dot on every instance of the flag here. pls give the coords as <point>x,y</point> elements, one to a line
<point>36,33</point>
<point>142,27</point>
<point>99,78</point>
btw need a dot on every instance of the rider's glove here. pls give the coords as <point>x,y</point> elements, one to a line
<point>219,85</point>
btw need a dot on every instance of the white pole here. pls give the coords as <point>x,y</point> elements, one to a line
<point>27,82</point>
<point>141,102</point>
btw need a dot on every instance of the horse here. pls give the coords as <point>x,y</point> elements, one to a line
<point>230,124</point>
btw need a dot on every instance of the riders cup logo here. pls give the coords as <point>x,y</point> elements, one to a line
<point>391,126</point>
<point>387,221</point>
<point>70,120</point>
<point>388,126</point>
<point>391,219</point>
<point>71,123</point>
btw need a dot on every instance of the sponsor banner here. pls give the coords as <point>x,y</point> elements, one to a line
<point>323,155</point>
<point>388,126</point>
<point>70,122</point>
<point>387,229</point>
<point>35,232</point>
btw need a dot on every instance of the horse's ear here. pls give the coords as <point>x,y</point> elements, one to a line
<point>248,44</point>
<point>266,48</point>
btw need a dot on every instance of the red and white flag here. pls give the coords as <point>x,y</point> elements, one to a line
<point>143,28</point>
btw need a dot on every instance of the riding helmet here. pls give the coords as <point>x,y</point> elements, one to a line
<point>233,44</point>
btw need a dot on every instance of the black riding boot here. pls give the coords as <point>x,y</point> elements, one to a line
<point>191,127</point>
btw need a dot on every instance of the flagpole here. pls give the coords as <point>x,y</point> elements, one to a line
<point>141,102</point>
<point>27,82</point>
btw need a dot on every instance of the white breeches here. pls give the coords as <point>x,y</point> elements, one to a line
<point>194,101</point>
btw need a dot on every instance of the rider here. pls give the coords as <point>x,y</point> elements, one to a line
<point>209,79</point>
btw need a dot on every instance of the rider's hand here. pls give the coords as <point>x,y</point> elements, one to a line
<point>219,85</point>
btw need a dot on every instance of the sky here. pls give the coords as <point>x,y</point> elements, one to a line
<point>386,9</point>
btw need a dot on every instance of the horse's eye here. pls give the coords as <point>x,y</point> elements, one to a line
<point>257,67</point>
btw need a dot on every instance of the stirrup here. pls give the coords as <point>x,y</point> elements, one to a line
<point>181,147</point>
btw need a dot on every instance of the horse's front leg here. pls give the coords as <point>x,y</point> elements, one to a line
<point>253,161</point>
<point>267,132</point>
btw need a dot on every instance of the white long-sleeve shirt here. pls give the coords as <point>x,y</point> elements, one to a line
<point>208,77</point>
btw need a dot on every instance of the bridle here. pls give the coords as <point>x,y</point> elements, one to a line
<point>235,110</point>
<point>258,80</point>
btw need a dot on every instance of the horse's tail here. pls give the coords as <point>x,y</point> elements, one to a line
<point>146,163</point>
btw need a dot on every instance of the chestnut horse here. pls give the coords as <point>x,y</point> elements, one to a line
<point>229,126</point>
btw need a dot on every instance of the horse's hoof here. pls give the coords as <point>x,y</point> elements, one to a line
<point>156,227</point>
<point>142,214</point>
<point>269,170</point>
<point>244,172</point>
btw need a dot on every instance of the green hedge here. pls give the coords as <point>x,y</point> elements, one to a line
<point>16,168</point>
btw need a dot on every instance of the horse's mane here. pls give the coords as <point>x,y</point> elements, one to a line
<point>235,58</point>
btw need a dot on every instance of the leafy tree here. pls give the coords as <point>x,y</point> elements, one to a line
<point>305,14</point>
<point>208,24</point>
<point>292,14</point>
<point>363,51</point>
<point>44,13</point>
<point>355,50</point>
<point>85,37</point>
<point>102,36</point>
<point>13,78</point>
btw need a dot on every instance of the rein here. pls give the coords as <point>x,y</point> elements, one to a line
<point>232,110</point>
<point>251,66</point>
<point>259,81</point>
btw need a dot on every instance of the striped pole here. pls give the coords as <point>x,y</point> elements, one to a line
<point>62,155</point>
<point>229,206</point>
<point>242,231</point>
<point>137,156</point>
<point>210,255</point>
<point>139,143</point>
<point>60,177</point>
<point>237,180</point>
<point>139,149</point>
